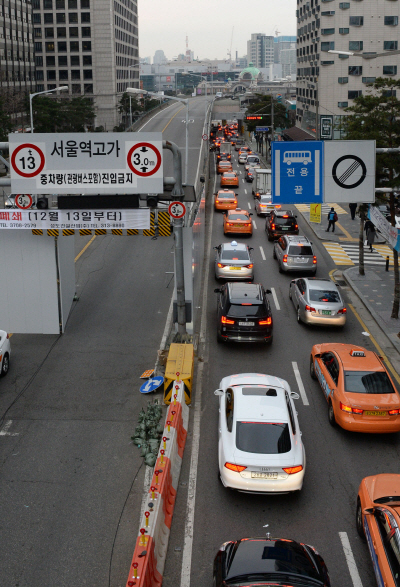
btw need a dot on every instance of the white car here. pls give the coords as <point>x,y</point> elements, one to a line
<point>5,353</point>
<point>242,158</point>
<point>259,448</point>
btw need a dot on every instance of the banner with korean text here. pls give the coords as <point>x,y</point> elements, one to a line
<point>75,219</point>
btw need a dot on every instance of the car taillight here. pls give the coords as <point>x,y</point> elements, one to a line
<point>273,228</point>
<point>310,309</point>
<point>350,410</point>
<point>292,470</point>
<point>257,194</point>
<point>248,224</point>
<point>230,224</point>
<point>249,266</point>
<point>224,320</point>
<point>314,260</point>
<point>342,311</point>
<point>393,412</point>
<point>8,336</point>
<point>284,260</point>
<point>220,265</point>
<point>266,322</point>
<point>296,226</point>
<point>235,468</point>
<point>217,201</point>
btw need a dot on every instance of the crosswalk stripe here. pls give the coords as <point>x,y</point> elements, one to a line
<point>325,208</point>
<point>348,254</point>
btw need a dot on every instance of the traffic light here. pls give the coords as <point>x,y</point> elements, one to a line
<point>152,201</point>
<point>42,203</point>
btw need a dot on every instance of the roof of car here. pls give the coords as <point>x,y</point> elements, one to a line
<point>323,284</point>
<point>234,246</point>
<point>261,407</point>
<point>237,211</point>
<point>369,362</point>
<point>250,293</point>
<point>296,239</point>
<point>283,213</point>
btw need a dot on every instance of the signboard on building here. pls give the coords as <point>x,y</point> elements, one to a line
<point>76,163</point>
<point>326,128</point>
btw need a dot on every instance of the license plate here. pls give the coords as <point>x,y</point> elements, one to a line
<point>300,260</point>
<point>264,475</point>
<point>240,225</point>
<point>285,228</point>
<point>375,413</point>
<point>326,312</point>
<point>246,323</point>
<point>235,268</point>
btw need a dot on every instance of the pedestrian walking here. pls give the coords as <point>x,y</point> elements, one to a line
<point>332,219</point>
<point>371,233</point>
<point>353,208</point>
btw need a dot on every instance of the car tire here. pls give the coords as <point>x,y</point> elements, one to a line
<point>290,293</point>
<point>220,339</point>
<point>273,253</point>
<point>359,520</point>
<point>331,415</point>
<point>5,366</point>
<point>312,369</point>
<point>270,238</point>
<point>314,273</point>
<point>298,315</point>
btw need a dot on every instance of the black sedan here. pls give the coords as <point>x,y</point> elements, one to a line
<point>269,561</point>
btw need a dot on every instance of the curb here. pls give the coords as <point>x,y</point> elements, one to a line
<point>151,547</point>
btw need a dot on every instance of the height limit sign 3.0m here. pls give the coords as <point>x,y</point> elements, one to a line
<point>144,159</point>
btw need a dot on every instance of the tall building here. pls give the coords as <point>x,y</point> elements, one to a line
<point>327,83</point>
<point>159,57</point>
<point>16,46</point>
<point>282,43</point>
<point>89,45</point>
<point>260,50</point>
<point>288,61</point>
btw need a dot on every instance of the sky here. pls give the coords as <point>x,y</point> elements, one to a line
<point>164,24</point>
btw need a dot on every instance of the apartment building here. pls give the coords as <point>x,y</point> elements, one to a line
<point>327,82</point>
<point>260,50</point>
<point>17,65</point>
<point>89,45</point>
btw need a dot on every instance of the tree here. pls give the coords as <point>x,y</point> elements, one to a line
<point>376,116</point>
<point>263,106</point>
<point>65,115</point>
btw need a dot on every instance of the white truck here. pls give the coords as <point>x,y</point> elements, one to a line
<point>262,182</point>
<point>226,149</point>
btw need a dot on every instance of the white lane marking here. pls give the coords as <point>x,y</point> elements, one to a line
<point>240,172</point>
<point>156,114</point>
<point>254,223</point>
<point>300,383</point>
<point>5,430</point>
<point>245,191</point>
<point>248,203</point>
<point>263,254</point>
<point>351,563</point>
<point>275,298</point>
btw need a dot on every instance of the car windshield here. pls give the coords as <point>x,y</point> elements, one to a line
<point>300,250</point>
<point>229,196</point>
<point>270,438</point>
<point>319,295</point>
<point>282,221</point>
<point>367,382</point>
<point>235,256</point>
<point>247,311</point>
<point>238,217</point>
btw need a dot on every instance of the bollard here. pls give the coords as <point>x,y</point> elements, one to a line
<point>172,416</point>
<point>387,263</point>
<point>169,425</point>
<point>162,451</point>
<point>165,442</point>
<point>143,538</point>
<point>153,489</point>
<point>147,515</point>
<point>135,566</point>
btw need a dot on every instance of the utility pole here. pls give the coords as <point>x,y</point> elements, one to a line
<point>272,121</point>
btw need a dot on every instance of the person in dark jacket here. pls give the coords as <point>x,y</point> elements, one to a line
<point>353,208</point>
<point>371,233</point>
<point>332,218</point>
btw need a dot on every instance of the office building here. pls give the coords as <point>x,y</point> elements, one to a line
<point>260,50</point>
<point>288,61</point>
<point>282,43</point>
<point>89,45</point>
<point>327,83</point>
<point>159,57</point>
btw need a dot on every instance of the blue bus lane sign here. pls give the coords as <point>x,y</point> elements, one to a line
<point>297,172</point>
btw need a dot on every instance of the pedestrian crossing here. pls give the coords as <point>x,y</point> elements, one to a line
<point>348,254</point>
<point>325,208</point>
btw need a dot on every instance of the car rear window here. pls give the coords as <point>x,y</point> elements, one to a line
<point>300,250</point>
<point>245,311</point>
<point>317,295</point>
<point>265,199</point>
<point>270,438</point>
<point>229,195</point>
<point>235,256</point>
<point>367,382</point>
<point>281,221</point>
<point>238,217</point>
<point>230,175</point>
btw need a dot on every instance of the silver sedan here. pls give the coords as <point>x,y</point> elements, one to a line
<point>233,262</point>
<point>317,301</point>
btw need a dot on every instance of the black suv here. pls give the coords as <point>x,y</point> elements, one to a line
<point>281,222</point>
<point>243,313</point>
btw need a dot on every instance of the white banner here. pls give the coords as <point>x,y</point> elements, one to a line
<point>75,219</point>
<point>389,232</point>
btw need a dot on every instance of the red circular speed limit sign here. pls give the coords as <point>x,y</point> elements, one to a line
<point>144,159</point>
<point>23,201</point>
<point>27,160</point>
<point>205,137</point>
<point>177,209</point>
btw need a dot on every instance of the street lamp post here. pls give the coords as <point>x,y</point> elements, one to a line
<point>186,102</point>
<point>205,87</point>
<point>31,96</point>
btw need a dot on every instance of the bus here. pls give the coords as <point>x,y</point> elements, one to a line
<point>290,157</point>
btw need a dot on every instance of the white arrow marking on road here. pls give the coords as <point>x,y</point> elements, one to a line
<point>351,563</point>
<point>262,254</point>
<point>300,383</point>
<point>275,298</point>
<point>5,430</point>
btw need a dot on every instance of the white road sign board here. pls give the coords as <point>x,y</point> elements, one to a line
<point>83,163</point>
<point>349,171</point>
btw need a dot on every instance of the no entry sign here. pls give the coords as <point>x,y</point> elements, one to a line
<point>83,163</point>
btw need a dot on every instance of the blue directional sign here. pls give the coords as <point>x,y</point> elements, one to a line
<point>297,172</point>
<point>262,128</point>
<point>151,384</point>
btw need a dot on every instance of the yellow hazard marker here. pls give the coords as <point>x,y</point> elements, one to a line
<point>150,232</point>
<point>117,231</point>
<point>37,231</point>
<point>164,223</point>
<point>132,231</point>
<point>99,231</point>
<point>52,232</point>
<point>68,232</point>
<point>146,374</point>
<point>338,254</point>
<point>180,360</point>
<point>85,231</point>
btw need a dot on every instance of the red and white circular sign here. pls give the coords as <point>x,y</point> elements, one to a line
<point>205,137</point>
<point>177,209</point>
<point>144,159</point>
<point>23,201</point>
<point>27,160</point>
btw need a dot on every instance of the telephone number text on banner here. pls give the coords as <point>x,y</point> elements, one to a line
<point>75,219</point>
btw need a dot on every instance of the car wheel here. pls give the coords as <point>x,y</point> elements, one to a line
<point>290,293</point>
<point>331,415</point>
<point>219,337</point>
<point>270,238</point>
<point>359,520</point>
<point>5,366</point>
<point>274,253</point>
<point>312,369</point>
<point>298,314</point>
<point>314,272</point>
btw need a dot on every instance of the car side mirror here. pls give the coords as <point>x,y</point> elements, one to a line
<point>215,248</point>
<point>294,395</point>
<point>268,291</point>
<point>251,248</point>
<point>219,392</point>
<point>251,214</point>
<point>217,290</point>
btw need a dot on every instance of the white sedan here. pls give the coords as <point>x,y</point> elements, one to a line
<point>260,448</point>
<point>5,352</point>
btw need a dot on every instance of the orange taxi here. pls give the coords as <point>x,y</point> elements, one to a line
<point>361,395</point>
<point>224,166</point>
<point>225,200</point>
<point>230,178</point>
<point>238,221</point>
<point>378,521</point>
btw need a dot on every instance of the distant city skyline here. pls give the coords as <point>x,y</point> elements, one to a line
<point>208,26</point>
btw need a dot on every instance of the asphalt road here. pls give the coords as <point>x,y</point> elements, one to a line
<point>71,482</point>
<point>336,460</point>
